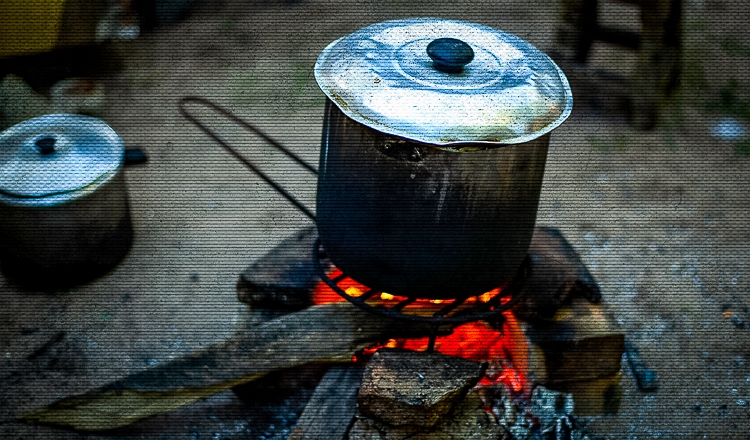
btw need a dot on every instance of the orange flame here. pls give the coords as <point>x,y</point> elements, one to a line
<point>506,349</point>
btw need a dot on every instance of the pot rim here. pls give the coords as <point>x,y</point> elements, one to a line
<point>367,75</point>
<point>59,198</point>
<point>57,157</point>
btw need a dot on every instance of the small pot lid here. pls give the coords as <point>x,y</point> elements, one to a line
<point>56,154</point>
<point>444,82</point>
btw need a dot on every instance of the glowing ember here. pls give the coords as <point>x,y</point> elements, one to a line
<point>505,349</point>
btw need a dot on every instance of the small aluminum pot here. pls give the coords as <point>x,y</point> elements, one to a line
<point>64,208</point>
<point>430,175</point>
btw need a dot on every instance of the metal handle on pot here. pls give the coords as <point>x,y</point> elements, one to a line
<point>241,122</point>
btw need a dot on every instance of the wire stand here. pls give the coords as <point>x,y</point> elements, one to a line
<point>446,312</point>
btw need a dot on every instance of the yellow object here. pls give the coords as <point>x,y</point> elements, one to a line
<point>29,26</point>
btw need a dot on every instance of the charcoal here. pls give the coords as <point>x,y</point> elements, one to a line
<point>552,418</point>
<point>481,415</point>
<point>411,388</point>
<point>563,428</point>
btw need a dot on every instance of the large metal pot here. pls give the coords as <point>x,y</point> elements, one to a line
<point>64,214</point>
<point>433,155</point>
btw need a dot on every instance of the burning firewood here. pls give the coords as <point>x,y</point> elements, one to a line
<point>560,335</point>
<point>285,276</point>
<point>412,388</point>
<point>421,395</point>
<point>327,333</point>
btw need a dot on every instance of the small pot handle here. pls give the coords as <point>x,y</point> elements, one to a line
<point>134,156</point>
<point>249,127</point>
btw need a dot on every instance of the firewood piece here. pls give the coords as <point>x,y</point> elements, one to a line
<point>414,388</point>
<point>324,333</point>
<point>581,344</point>
<point>595,397</point>
<point>284,277</point>
<point>331,410</point>
<point>558,276</point>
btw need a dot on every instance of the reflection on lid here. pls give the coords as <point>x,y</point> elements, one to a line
<point>57,154</point>
<point>382,77</point>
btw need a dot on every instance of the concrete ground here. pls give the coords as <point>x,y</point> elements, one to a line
<point>659,217</point>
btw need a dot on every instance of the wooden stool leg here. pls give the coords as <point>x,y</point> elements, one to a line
<point>578,26</point>
<point>658,60</point>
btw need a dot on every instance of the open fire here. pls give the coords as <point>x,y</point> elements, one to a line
<point>558,339</point>
<point>503,346</point>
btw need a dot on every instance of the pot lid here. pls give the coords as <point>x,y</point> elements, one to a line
<point>444,82</point>
<point>56,154</point>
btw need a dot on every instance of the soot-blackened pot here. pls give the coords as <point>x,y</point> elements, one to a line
<point>433,152</point>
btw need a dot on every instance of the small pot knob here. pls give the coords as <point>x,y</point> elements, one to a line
<point>449,55</point>
<point>46,145</point>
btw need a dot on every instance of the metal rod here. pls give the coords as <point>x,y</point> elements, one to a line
<point>448,308</point>
<point>367,295</point>
<point>247,125</point>
<point>339,278</point>
<point>473,312</point>
<point>279,189</point>
<point>431,340</point>
<point>403,304</point>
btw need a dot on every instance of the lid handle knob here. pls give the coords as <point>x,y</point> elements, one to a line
<point>46,145</point>
<point>449,55</point>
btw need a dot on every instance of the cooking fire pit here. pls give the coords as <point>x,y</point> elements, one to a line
<point>430,173</point>
<point>558,336</point>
